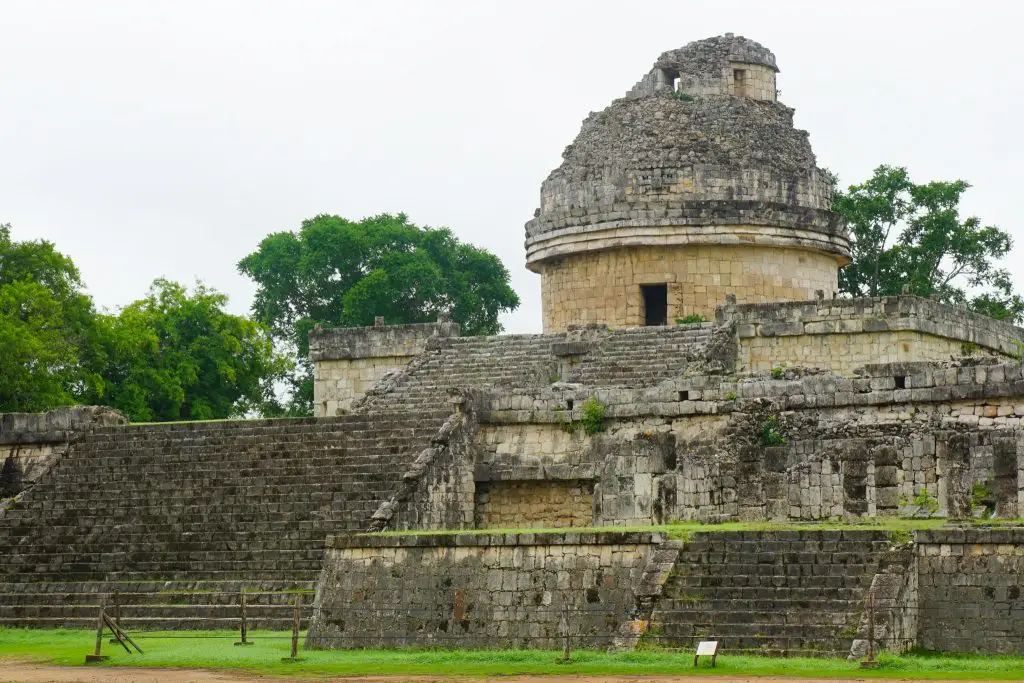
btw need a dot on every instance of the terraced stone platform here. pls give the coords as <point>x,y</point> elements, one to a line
<point>598,358</point>
<point>771,592</point>
<point>178,518</point>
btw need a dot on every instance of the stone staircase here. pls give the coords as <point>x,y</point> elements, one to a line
<point>769,592</point>
<point>636,357</point>
<point>642,356</point>
<point>178,518</point>
<point>471,362</point>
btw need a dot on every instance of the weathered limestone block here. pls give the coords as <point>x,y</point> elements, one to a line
<point>479,590</point>
<point>970,583</point>
<point>347,362</point>
<point>31,443</point>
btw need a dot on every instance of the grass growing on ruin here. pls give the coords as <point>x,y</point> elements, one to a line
<point>214,650</point>
<point>683,530</point>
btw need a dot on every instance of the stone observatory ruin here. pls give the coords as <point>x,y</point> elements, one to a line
<point>693,186</point>
<point>538,476</point>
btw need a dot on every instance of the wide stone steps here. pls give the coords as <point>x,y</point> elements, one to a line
<point>781,603</point>
<point>631,357</point>
<point>144,509</point>
<point>136,625</point>
<point>148,570</point>
<point>778,615</point>
<point>160,597</point>
<point>795,592</point>
<point>156,604</point>
<point>755,597</point>
<point>278,621</point>
<point>150,610</point>
<point>281,483</point>
<point>256,560</point>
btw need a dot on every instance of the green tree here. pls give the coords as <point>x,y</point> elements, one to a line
<point>337,272</point>
<point>912,236</point>
<point>45,322</point>
<point>175,356</point>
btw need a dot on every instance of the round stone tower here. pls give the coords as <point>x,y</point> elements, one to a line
<point>693,186</point>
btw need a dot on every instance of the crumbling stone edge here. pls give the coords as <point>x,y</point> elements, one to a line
<point>894,593</point>
<point>459,425</point>
<point>652,582</point>
<point>62,428</point>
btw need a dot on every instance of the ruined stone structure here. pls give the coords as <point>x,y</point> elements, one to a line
<point>787,405</point>
<point>693,186</point>
<point>350,362</point>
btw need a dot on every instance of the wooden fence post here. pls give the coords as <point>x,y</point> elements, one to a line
<point>117,616</point>
<point>97,656</point>
<point>245,625</point>
<point>870,662</point>
<point>296,612</point>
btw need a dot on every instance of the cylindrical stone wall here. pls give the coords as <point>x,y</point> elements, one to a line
<point>604,286</point>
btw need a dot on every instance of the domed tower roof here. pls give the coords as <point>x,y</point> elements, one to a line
<point>699,152</point>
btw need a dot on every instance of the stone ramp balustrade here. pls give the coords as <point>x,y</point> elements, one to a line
<point>771,592</point>
<point>228,504</point>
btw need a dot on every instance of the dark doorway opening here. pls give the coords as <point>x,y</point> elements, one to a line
<point>655,304</point>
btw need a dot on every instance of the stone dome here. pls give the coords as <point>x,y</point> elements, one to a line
<point>692,150</point>
<point>699,152</point>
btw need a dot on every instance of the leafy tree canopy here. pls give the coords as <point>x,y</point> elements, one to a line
<point>45,321</point>
<point>337,272</point>
<point>180,356</point>
<point>912,236</point>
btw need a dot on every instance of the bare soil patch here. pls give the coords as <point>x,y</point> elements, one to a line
<point>46,673</point>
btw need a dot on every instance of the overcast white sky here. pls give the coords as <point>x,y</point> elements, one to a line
<point>167,138</point>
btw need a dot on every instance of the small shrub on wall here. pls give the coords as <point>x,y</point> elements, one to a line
<point>592,415</point>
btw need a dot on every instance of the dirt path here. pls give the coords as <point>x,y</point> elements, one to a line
<point>44,673</point>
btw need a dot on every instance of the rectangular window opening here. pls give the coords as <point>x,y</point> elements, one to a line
<point>655,304</point>
<point>739,77</point>
<point>901,381</point>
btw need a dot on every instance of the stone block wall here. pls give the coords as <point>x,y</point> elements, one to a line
<point>350,361</point>
<point>30,443</point>
<point>845,353</point>
<point>780,592</point>
<point>604,286</point>
<point>757,82</point>
<point>337,383</point>
<point>478,590</point>
<point>970,590</point>
<point>693,448</point>
<point>537,503</point>
<point>843,335</point>
<point>706,67</point>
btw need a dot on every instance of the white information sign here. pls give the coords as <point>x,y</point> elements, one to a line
<point>706,648</point>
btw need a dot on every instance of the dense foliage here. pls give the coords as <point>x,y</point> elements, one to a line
<point>178,355</point>
<point>911,236</point>
<point>175,356</point>
<point>337,272</point>
<point>45,322</point>
<point>169,356</point>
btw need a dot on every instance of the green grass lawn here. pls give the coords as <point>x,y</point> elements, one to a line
<point>215,650</point>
